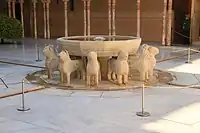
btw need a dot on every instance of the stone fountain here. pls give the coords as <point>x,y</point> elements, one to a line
<point>101,63</point>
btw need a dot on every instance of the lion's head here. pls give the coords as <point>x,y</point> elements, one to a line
<point>122,55</point>
<point>153,50</point>
<point>92,55</point>
<point>64,55</point>
<point>49,51</point>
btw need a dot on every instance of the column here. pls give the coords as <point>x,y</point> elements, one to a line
<point>169,29</point>
<point>45,20</point>
<point>9,8</point>
<point>66,17</point>
<point>85,17</point>
<point>13,8</point>
<point>88,18</point>
<point>109,18</point>
<point>164,23</point>
<point>138,18</point>
<point>48,22</point>
<point>113,18</point>
<point>35,18</point>
<point>22,15</point>
<point>192,23</point>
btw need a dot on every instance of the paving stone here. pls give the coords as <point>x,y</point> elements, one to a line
<point>184,79</point>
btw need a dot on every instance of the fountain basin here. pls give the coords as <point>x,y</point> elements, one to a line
<point>109,46</point>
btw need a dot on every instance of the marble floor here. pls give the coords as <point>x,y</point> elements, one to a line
<point>173,109</point>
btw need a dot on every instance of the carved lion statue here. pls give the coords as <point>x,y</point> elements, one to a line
<point>67,66</point>
<point>145,62</point>
<point>51,61</point>
<point>153,51</point>
<point>93,69</point>
<point>119,68</point>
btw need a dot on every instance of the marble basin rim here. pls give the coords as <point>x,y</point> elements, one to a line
<point>82,45</point>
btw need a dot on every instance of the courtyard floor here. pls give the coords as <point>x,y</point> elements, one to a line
<point>173,109</point>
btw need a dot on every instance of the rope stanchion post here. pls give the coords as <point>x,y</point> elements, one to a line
<point>143,113</point>
<point>38,53</point>
<point>189,56</point>
<point>3,82</point>
<point>23,109</point>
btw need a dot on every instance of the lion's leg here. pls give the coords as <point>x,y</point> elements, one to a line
<point>68,78</point>
<point>61,77</point>
<point>109,75</point>
<point>97,79</point>
<point>142,76</point>
<point>49,73</point>
<point>151,72</point>
<point>99,75</point>
<point>114,77</point>
<point>146,75</point>
<point>88,81</point>
<point>83,74</point>
<point>119,79</point>
<point>125,79</point>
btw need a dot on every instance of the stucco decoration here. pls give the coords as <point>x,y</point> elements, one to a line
<point>67,66</point>
<point>93,70</point>
<point>119,68</point>
<point>51,60</point>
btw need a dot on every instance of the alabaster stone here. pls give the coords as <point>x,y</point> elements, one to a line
<point>119,68</point>
<point>103,45</point>
<point>67,66</point>
<point>153,51</point>
<point>93,69</point>
<point>51,60</point>
<point>144,62</point>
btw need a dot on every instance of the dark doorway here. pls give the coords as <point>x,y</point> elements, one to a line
<point>180,8</point>
<point>18,11</point>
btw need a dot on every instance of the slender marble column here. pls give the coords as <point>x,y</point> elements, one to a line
<point>13,8</point>
<point>88,18</point>
<point>192,25</point>
<point>138,18</point>
<point>164,23</point>
<point>9,8</point>
<point>169,27</point>
<point>85,17</point>
<point>22,15</point>
<point>35,18</point>
<point>109,18</point>
<point>48,22</point>
<point>45,19</point>
<point>113,18</point>
<point>66,17</point>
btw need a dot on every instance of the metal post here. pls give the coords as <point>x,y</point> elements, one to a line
<point>3,82</point>
<point>143,113</point>
<point>23,107</point>
<point>38,53</point>
<point>188,60</point>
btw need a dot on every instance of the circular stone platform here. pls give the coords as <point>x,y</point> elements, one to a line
<point>40,78</point>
